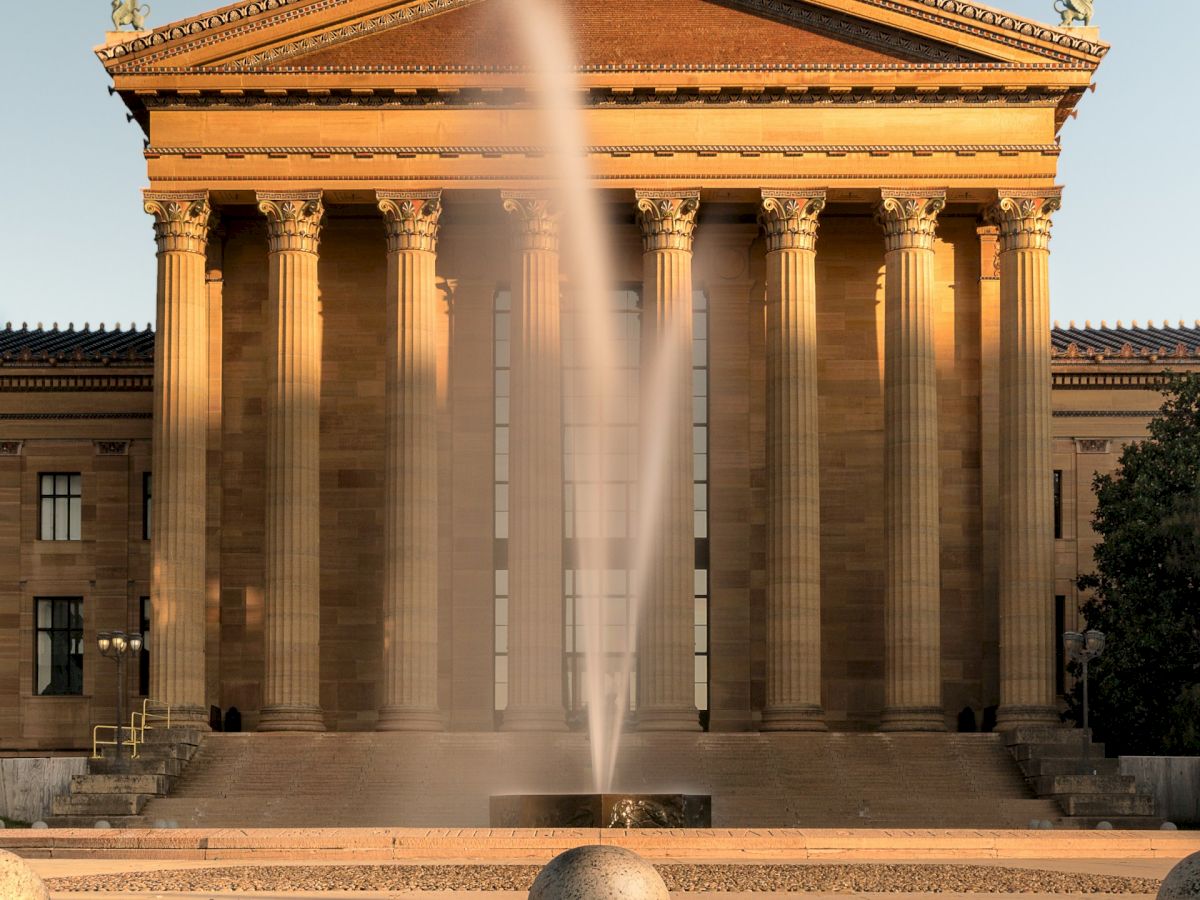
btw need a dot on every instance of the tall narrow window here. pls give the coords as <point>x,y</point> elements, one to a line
<point>147,485</point>
<point>62,506</point>
<point>144,656</point>
<point>58,646</point>
<point>1058,488</point>
<point>1060,654</point>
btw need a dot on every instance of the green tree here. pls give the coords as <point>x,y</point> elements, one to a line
<point>1145,592</point>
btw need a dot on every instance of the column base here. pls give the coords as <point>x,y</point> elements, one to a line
<point>793,718</point>
<point>669,719</point>
<point>404,718</point>
<point>184,717</point>
<point>913,718</point>
<point>1010,717</point>
<point>535,719</point>
<point>291,718</point>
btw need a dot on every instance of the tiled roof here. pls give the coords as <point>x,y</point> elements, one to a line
<point>54,345</point>
<point>1134,341</point>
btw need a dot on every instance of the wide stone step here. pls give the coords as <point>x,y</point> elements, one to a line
<point>1104,805</point>
<point>1119,823</point>
<point>1063,765</point>
<point>1046,785</point>
<point>1023,752</point>
<point>169,767</point>
<point>119,784</point>
<point>1042,735</point>
<point>173,735</point>
<point>99,804</point>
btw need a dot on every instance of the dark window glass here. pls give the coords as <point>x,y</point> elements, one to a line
<point>58,646</point>
<point>146,486</point>
<point>1060,655</point>
<point>61,506</point>
<point>144,657</point>
<point>1058,480</point>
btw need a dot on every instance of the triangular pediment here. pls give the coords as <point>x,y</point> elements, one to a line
<point>440,35</point>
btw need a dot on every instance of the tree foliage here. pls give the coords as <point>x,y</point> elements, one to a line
<point>1145,592</point>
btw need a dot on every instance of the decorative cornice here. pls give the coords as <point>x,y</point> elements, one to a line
<point>411,219</point>
<point>253,16</point>
<point>411,150</point>
<point>181,220</point>
<point>536,216</point>
<point>909,217</point>
<point>1024,218</point>
<point>667,218</point>
<point>789,218</point>
<point>69,381</point>
<point>40,417</point>
<point>1104,413</point>
<point>449,177</point>
<point>293,220</point>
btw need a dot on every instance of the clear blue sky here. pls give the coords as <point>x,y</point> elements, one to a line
<point>76,246</point>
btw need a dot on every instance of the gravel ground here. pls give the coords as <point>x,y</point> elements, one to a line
<point>901,879</point>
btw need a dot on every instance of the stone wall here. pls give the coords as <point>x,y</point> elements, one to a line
<point>1173,780</point>
<point>29,784</point>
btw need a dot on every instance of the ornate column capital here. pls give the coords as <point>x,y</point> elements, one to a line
<point>909,218</point>
<point>789,218</point>
<point>412,219</point>
<point>667,219</point>
<point>181,220</point>
<point>1023,217</point>
<point>536,217</point>
<point>293,219</point>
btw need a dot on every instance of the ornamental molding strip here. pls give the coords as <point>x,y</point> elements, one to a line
<point>112,448</point>
<point>260,15</point>
<point>617,150</point>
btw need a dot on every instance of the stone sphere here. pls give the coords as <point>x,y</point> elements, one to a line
<point>1183,881</point>
<point>598,873</point>
<point>18,881</point>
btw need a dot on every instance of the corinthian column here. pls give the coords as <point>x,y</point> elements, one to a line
<point>410,631</point>
<point>1026,491</point>
<point>291,694</point>
<point>535,535</point>
<point>793,467</point>
<point>912,606</point>
<point>666,636</point>
<point>181,223</point>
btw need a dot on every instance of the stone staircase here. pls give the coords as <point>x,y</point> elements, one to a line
<point>1066,766</point>
<point>117,790</point>
<point>366,779</point>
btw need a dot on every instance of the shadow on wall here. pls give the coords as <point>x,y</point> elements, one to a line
<point>28,785</point>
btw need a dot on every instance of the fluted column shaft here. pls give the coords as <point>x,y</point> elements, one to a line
<point>291,690</point>
<point>1026,491</point>
<point>535,532</point>
<point>410,602</point>
<point>912,606</point>
<point>793,466</point>
<point>666,636</point>
<point>177,589</point>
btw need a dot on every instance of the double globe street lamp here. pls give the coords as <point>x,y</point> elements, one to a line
<point>117,646</point>
<point>1082,649</point>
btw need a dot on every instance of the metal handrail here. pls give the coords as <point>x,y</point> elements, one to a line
<point>137,733</point>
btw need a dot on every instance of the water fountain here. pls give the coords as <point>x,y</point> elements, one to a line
<point>547,44</point>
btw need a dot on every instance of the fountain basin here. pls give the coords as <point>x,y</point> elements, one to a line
<point>601,811</point>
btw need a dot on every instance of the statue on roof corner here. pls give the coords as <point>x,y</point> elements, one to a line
<point>127,12</point>
<point>1073,11</point>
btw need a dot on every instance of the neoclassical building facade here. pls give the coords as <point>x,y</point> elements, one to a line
<point>345,498</point>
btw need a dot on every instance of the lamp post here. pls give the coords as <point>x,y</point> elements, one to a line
<point>117,645</point>
<point>1083,648</point>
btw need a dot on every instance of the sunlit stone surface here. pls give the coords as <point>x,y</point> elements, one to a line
<point>596,873</point>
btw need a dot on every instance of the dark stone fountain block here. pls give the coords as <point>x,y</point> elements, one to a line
<point>601,811</point>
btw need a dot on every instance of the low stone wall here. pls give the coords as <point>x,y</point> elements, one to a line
<point>29,784</point>
<point>1173,780</point>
